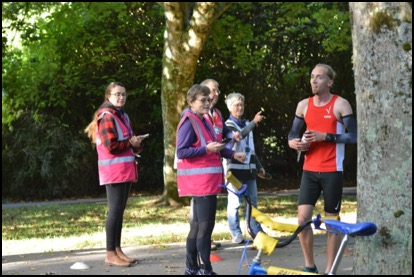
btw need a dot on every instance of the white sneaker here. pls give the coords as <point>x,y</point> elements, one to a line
<point>238,239</point>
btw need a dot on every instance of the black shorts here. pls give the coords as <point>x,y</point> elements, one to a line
<point>313,183</point>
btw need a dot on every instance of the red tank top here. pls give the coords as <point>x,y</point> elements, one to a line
<point>324,156</point>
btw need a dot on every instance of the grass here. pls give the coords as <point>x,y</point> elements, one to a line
<point>80,226</point>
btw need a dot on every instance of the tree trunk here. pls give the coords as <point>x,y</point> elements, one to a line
<point>187,28</point>
<point>382,57</point>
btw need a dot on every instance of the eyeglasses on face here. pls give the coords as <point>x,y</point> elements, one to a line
<point>204,100</point>
<point>119,94</point>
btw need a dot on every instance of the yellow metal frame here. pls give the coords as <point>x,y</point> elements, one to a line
<point>273,270</point>
<point>266,243</point>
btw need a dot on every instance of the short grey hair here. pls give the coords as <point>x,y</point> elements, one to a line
<point>208,81</point>
<point>233,97</point>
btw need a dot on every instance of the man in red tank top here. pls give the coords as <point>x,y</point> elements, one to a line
<point>329,124</point>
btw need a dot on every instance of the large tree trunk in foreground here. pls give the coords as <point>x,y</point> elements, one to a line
<point>382,56</point>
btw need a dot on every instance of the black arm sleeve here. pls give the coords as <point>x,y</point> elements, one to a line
<point>351,135</point>
<point>298,123</point>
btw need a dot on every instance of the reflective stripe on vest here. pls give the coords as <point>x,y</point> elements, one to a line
<point>198,130</point>
<point>241,146</point>
<point>115,168</point>
<point>241,166</point>
<point>217,121</point>
<point>196,171</point>
<point>202,175</point>
<point>116,160</point>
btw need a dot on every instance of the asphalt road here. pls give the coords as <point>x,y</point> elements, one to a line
<point>168,259</point>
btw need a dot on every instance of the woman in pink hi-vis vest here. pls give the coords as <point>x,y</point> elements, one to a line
<point>200,174</point>
<point>117,146</point>
<point>216,118</point>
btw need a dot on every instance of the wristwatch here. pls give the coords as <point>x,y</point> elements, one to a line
<point>330,137</point>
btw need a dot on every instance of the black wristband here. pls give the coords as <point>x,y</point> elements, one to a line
<point>330,138</point>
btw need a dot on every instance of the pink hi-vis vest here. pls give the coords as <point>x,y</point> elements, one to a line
<point>217,121</point>
<point>202,175</point>
<point>115,168</point>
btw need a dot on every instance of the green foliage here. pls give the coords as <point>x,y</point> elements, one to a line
<point>269,57</point>
<point>46,161</point>
<point>67,58</point>
<point>69,52</point>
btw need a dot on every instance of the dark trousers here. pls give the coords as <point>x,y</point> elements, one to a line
<point>117,195</point>
<point>202,220</point>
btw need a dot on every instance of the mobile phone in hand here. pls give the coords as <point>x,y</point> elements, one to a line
<point>226,140</point>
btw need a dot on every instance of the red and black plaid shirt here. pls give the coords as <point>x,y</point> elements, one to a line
<point>108,133</point>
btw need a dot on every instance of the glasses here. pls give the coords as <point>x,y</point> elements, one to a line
<point>204,100</point>
<point>119,94</point>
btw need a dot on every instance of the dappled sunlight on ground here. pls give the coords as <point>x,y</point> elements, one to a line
<point>131,237</point>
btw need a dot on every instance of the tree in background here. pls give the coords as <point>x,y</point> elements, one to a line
<point>70,51</point>
<point>187,28</point>
<point>382,43</point>
<point>53,81</point>
<point>268,58</point>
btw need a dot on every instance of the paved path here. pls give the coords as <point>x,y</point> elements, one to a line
<point>165,260</point>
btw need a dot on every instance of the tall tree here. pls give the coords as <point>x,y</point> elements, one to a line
<point>187,27</point>
<point>382,47</point>
<point>70,54</point>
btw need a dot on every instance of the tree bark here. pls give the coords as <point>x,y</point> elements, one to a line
<point>187,28</point>
<point>382,57</point>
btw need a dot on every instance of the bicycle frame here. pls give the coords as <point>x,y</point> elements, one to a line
<point>266,244</point>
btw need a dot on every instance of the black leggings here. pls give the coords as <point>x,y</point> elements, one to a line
<point>117,195</point>
<point>202,220</point>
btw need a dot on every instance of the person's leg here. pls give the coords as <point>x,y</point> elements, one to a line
<point>332,184</point>
<point>191,243</point>
<point>252,194</point>
<point>206,211</point>
<point>333,243</point>
<point>306,236</point>
<point>118,249</point>
<point>115,195</point>
<point>124,193</point>
<point>309,193</point>
<point>233,204</point>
